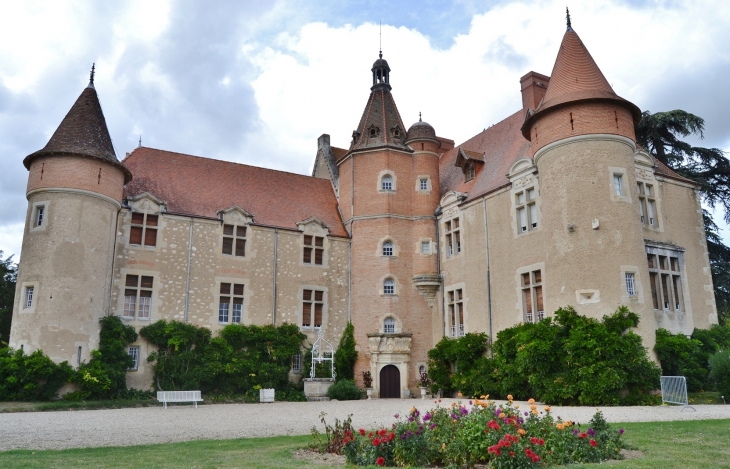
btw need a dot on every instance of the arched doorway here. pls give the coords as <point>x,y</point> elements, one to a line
<point>390,382</point>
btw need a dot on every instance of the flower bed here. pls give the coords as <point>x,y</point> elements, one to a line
<point>482,432</point>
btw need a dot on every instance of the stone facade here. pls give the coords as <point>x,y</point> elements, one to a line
<point>405,235</point>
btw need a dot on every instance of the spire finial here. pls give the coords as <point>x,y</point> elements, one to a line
<point>567,16</point>
<point>91,75</point>
<point>419,116</point>
<point>140,142</point>
<point>381,39</point>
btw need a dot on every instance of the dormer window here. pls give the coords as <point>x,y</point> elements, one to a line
<point>469,172</point>
<point>143,230</point>
<point>373,132</point>
<point>234,240</point>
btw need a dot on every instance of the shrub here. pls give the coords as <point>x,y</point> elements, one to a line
<point>720,372</point>
<point>485,433</point>
<point>30,377</point>
<point>344,390</point>
<point>346,355</point>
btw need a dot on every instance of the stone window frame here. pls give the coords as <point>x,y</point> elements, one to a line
<point>382,244</point>
<point>648,204</point>
<point>453,229</point>
<point>382,287</point>
<point>300,309</point>
<point>312,249</point>
<point>145,228</point>
<point>235,238</point>
<point>394,182</point>
<point>523,177</point>
<point>139,288</point>
<point>315,228</point>
<point>622,174</point>
<point>456,310</point>
<point>24,287</point>
<point>211,317</point>
<point>232,296</point>
<point>389,325</point>
<point>420,179</point>
<point>521,288</point>
<point>388,248</point>
<point>678,299</point>
<point>43,205</point>
<point>425,242</point>
<point>133,351</point>
<point>530,207</point>
<point>296,363</point>
<point>154,302</point>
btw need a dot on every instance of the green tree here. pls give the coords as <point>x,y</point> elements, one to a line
<point>661,134</point>
<point>8,277</point>
<point>346,355</point>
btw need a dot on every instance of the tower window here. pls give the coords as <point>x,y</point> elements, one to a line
<point>144,229</point>
<point>389,287</point>
<point>312,306</point>
<point>425,247</point>
<point>40,211</point>
<point>231,300</point>
<point>138,296</point>
<point>29,297</point>
<point>313,248</point>
<point>647,205</point>
<point>234,240</point>
<point>386,183</point>
<point>423,184</point>
<point>618,184</point>
<point>387,248</point>
<point>532,302</point>
<point>389,326</point>
<point>630,284</point>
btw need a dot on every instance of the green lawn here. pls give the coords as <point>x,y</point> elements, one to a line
<point>665,445</point>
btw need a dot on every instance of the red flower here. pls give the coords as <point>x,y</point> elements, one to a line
<point>528,452</point>
<point>535,458</point>
<point>370,435</point>
<point>383,432</point>
<point>583,435</point>
<point>511,454</point>
<point>540,442</point>
<point>593,443</point>
<point>376,442</point>
<point>380,461</point>
<point>391,436</point>
<point>362,432</point>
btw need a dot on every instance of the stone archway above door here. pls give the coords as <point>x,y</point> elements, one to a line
<point>390,349</point>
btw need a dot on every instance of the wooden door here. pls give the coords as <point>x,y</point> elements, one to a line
<point>390,382</point>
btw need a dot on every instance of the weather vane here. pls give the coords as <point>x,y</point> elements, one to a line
<point>91,75</point>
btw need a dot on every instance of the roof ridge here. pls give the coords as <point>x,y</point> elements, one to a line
<point>226,161</point>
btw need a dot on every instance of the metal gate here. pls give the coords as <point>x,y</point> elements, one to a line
<point>390,382</point>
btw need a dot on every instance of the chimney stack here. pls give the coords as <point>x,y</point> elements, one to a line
<point>533,86</point>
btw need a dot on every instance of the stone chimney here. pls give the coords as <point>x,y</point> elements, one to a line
<point>533,89</point>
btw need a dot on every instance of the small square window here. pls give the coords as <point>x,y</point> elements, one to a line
<point>387,183</point>
<point>387,248</point>
<point>423,184</point>
<point>425,247</point>
<point>29,297</point>
<point>389,287</point>
<point>630,284</point>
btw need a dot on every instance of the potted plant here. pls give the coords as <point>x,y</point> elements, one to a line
<point>367,380</point>
<point>425,382</point>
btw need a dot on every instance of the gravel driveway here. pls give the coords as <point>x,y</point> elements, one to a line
<point>146,425</point>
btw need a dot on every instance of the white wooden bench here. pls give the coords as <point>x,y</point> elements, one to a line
<point>179,396</point>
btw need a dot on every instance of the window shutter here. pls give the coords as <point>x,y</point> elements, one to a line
<point>145,294</point>
<point>318,295</point>
<point>227,245</point>
<point>228,230</point>
<point>307,255</point>
<point>538,294</point>
<point>147,282</point>
<point>132,281</point>
<point>238,289</point>
<point>135,235</point>
<point>241,231</point>
<point>319,241</point>
<point>150,237</point>
<point>307,314</point>
<point>307,295</point>
<point>225,288</point>
<point>240,247</point>
<point>131,293</point>
<point>654,296</point>
<point>307,240</point>
<point>318,256</point>
<point>318,315</point>
<point>528,300</point>
<point>138,218</point>
<point>151,220</point>
<point>538,276</point>
<point>238,301</point>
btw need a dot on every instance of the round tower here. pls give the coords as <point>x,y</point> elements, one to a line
<point>74,194</point>
<point>583,143</point>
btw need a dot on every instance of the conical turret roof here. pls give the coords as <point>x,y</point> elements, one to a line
<point>83,132</point>
<point>380,125</point>
<point>576,77</point>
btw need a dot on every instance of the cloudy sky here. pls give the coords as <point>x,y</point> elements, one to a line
<point>258,81</point>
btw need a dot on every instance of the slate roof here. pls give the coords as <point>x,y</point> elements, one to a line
<point>82,132</point>
<point>197,186</point>
<point>381,113</point>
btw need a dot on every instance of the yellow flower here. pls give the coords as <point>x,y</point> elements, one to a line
<point>413,409</point>
<point>502,415</point>
<point>531,401</point>
<point>521,431</point>
<point>560,427</point>
<point>547,408</point>
<point>534,412</point>
<point>459,395</point>
<point>509,397</point>
<point>443,445</point>
<point>533,407</point>
<point>517,407</point>
<point>568,423</point>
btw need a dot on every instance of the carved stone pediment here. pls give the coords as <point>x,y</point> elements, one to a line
<point>235,215</point>
<point>390,343</point>
<point>146,202</point>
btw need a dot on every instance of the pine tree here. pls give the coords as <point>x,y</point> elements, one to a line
<point>346,355</point>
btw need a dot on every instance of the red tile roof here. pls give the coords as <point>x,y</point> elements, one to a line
<point>502,145</point>
<point>198,186</point>
<point>576,77</point>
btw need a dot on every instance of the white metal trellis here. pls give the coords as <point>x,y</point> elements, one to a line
<point>322,351</point>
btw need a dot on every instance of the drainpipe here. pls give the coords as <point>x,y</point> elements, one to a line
<point>438,267</point>
<point>349,277</point>
<point>489,283</point>
<point>273,301</point>
<point>187,278</point>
